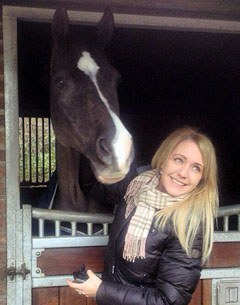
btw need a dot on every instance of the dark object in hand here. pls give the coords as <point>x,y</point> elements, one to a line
<point>80,276</point>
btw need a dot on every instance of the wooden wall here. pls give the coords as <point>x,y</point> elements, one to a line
<point>65,261</point>
<point>3,259</point>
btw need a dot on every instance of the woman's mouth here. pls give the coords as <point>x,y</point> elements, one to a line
<point>177,181</point>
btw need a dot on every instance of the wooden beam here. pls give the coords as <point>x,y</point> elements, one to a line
<point>226,10</point>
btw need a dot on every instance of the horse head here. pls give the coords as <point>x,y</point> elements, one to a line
<point>84,103</point>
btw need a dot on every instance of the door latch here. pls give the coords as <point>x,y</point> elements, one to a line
<point>12,271</point>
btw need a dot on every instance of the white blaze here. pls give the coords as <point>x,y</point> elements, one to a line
<point>122,141</point>
<point>87,64</point>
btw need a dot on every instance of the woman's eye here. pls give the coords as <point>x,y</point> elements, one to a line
<point>196,168</point>
<point>178,160</point>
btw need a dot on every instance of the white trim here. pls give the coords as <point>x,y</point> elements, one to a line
<point>214,274</point>
<point>230,236</point>
<point>218,273</point>
<point>15,286</point>
<point>69,241</point>
<point>127,20</point>
<point>53,281</point>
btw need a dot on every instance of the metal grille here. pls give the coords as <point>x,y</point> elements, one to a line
<point>67,223</point>
<point>59,219</point>
<point>37,150</point>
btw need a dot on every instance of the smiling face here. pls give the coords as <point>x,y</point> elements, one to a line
<point>183,170</point>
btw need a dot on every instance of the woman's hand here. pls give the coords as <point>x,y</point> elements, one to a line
<point>88,288</point>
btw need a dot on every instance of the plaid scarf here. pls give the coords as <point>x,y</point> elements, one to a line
<point>142,193</point>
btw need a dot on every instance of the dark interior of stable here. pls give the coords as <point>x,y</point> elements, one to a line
<point>169,79</point>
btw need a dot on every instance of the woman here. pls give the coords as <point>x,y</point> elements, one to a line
<point>162,232</point>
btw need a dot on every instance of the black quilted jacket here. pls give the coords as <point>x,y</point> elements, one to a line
<point>166,276</point>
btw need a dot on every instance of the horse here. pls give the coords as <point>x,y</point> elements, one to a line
<point>84,111</point>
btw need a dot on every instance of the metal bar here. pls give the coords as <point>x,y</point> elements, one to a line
<point>41,227</point>
<point>72,216</point>
<point>101,217</point>
<point>30,148</point>
<point>50,150</point>
<point>60,280</point>
<point>69,241</point>
<point>74,228</point>
<point>37,180</point>
<point>101,240</point>
<point>53,281</point>
<point>12,146</point>
<point>225,223</point>
<point>229,210</point>
<point>43,152</point>
<point>50,281</point>
<point>27,252</point>
<point>89,228</point>
<point>57,228</point>
<point>106,219</point>
<point>105,228</point>
<point>23,151</point>
<point>25,147</point>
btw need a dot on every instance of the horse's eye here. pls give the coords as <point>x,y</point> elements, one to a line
<point>60,83</point>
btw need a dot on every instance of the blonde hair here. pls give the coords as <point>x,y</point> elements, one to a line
<point>198,210</point>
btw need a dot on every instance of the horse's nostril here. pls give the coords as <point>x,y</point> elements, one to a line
<point>104,151</point>
<point>103,145</point>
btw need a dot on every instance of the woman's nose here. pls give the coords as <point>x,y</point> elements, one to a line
<point>183,171</point>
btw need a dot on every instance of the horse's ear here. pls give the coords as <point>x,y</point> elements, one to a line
<point>105,28</point>
<point>60,25</point>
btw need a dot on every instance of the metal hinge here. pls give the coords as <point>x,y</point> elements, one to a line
<point>13,271</point>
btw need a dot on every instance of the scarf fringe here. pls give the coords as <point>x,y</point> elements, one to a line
<point>135,248</point>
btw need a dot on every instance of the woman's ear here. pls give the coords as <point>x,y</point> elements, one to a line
<point>161,168</point>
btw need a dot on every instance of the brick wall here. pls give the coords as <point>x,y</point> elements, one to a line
<point>3,255</point>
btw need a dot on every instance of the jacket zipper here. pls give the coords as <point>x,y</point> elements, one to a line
<point>115,245</point>
<point>113,269</point>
